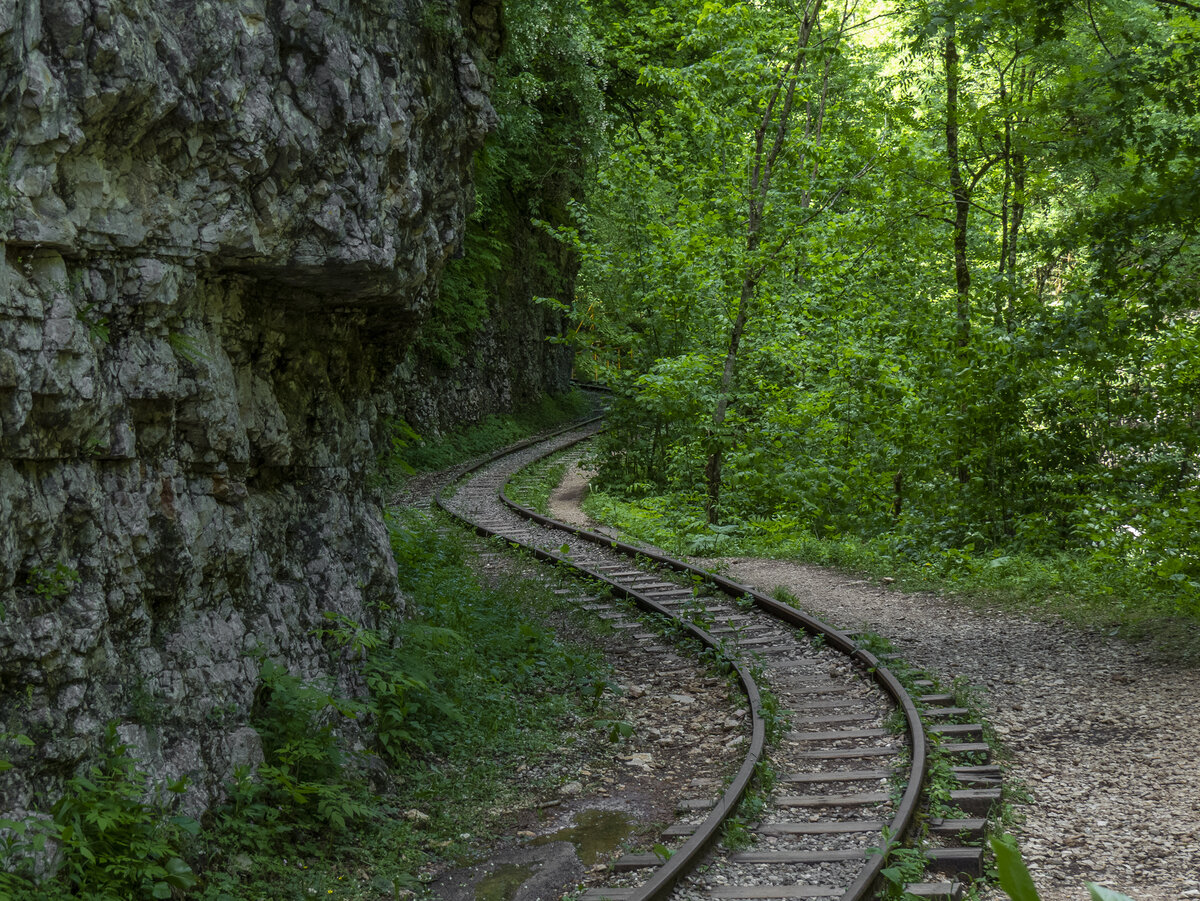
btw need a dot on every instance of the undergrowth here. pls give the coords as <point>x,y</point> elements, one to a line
<point>411,452</point>
<point>116,837</point>
<point>533,485</point>
<point>1087,591</point>
<point>355,796</point>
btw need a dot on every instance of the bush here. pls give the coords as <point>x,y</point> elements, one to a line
<point>112,844</point>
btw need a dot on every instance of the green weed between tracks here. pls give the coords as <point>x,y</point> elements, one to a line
<point>356,797</point>
<point>533,485</point>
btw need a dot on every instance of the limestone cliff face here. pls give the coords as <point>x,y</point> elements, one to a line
<point>222,224</point>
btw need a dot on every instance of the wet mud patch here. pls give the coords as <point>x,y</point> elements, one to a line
<point>550,862</point>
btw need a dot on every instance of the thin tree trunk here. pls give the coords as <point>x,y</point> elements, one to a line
<point>712,470</point>
<point>1020,166</point>
<point>769,140</point>
<point>1006,214</point>
<point>960,193</point>
<point>962,208</point>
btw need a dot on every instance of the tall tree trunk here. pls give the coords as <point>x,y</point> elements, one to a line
<point>1006,215</point>
<point>959,191</point>
<point>962,208</point>
<point>1012,205</point>
<point>712,470</point>
<point>1020,167</point>
<point>769,139</point>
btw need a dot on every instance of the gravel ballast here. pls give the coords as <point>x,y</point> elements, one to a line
<point>1104,735</point>
<point>1101,736</point>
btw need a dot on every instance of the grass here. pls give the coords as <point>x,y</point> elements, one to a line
<point>473,708</point>
<point>516,690</point>
<point>414,453</point>
<point>533,485</point>
<point>1082,590</point>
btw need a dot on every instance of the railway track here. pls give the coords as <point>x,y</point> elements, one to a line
<point>849,767</point>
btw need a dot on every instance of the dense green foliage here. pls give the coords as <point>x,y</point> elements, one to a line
<point>113,842</point>
<point>547,98</point>
<point>922,280</point>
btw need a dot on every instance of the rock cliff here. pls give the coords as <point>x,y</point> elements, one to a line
<point>223,222</point>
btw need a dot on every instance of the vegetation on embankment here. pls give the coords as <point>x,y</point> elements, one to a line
<point>356,796</point>
<point>1075,587</point>
<point>412,453</point>
<point>534,484</point>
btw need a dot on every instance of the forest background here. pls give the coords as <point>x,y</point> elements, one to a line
<point>904,287</point>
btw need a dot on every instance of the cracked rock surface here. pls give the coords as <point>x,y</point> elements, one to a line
<point>221,226</point>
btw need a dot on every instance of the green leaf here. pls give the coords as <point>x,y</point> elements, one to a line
<point>188,825</point>
<point>1100,893</point>
<point>1014,876</point>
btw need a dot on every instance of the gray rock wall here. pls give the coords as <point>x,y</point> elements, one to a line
<point>221,227</point>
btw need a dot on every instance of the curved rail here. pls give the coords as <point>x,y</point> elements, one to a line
<point>681,862</point>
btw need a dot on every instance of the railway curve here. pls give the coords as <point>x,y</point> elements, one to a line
<point>825,840</point>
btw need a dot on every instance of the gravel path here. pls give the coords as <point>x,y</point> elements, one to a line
<point>1104,736</point>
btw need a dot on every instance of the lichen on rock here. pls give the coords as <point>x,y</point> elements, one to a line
<point>222,224</point>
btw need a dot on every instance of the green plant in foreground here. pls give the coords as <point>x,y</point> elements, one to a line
<point>97,324</point>
<point>1018,884</point>
<point>188,348</point>
<point>111,844</point>
<point>474,689</point>
<point>904,866</point>
<point>617,730</point>
<point>304,760</point>
<point>23,741</point>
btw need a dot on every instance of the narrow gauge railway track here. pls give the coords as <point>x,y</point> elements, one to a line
<point>816,836</point>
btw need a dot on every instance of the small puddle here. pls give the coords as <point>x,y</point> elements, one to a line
<point>596,834</point>
<point>502,884</point>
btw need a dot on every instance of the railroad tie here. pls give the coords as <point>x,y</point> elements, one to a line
<point>836,735</point>
<point>946,712</point>
<point>971,829</point>
<point>936,891</point>
<point>748,892</point>
<point>833,709</point>
<point>835,776</point>
<point>859,799</point>
<point>956,730</point>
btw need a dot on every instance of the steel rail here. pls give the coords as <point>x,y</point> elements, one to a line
<point>680,863</point>
<point>688,855</point>
<point>910,801</point>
